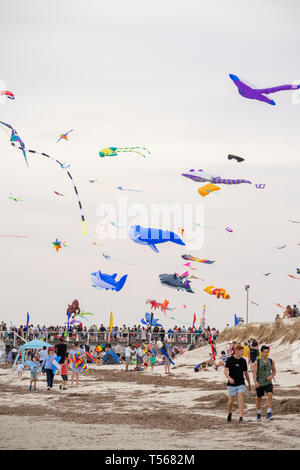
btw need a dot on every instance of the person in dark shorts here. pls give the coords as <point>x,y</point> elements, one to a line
<point>61,350</point>
<point>264,371</point>
<point>253,352</point>
<point>235,369</point>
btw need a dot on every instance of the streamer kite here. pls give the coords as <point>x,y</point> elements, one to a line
<point>42,154</point>
<point>113,151</point>
<point>193,258</point>
<point>259,93</point>
<point>15,138</point>
<point>64,136</point>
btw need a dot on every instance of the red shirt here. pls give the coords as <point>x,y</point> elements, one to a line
<point>64,369</point>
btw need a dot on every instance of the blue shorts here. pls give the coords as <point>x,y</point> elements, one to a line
<point>233,391</point>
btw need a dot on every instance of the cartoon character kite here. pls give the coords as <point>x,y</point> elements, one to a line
<point>64,136</point>
<point>259,93</point>
<point>113,151</point>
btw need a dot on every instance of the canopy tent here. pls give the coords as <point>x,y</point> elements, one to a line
<point>110,358</point>
<point>34,344</point>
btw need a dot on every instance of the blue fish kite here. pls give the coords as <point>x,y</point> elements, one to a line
<point>154,320</point>
<point>153,236</point>
<point>107,282</point>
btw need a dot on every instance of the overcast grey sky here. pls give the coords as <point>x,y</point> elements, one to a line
<point>152,74</point>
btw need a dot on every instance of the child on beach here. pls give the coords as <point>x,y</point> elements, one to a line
<point>152,361</point>
<point>64,368</point>
<point>34,370</point>
<point>20,370</point>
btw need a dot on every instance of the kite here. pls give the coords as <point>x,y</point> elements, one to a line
<point>294,277</point>
<point>228,229</point>
<point>79,363</point>
<point>165,353</point>
<point>235,157</point>
<point>254,303</point>
<point>215,179</point>
<point>42,154</point>
<point>127,189</point>
<point>152,321</point>
<point>203,226</point>
<point>115,225</point>
<point>280,247</point>
<point>93,181</point>
<point>107,257</point>
<point>294,221</point>
<point>15,138</point>
<point>7,93</point>
<point>193,258</point>
<point>278,305</point>
<point>259,93</point>
<point>74,308</point>
<point>64,136</point>
<point>266,274</point>
<point>16,199</point>
<point>153,236</point>
<point>58,194</point>
<point>260,186</point>
<point>298,271</point>
<point>218,292</point>
<point>181,231</point>
<point>65,166</point>
<point>207,189</point>
<point>98,244</point>
<point>27,322</point>
<point>189,266</point>
<point>113,151</point>
<point>15,236</point>
<point>107,282</point>
<point>57,245</point>
<point>162,305</point>
<point>175,281</point>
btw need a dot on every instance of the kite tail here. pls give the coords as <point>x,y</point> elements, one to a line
<point>228,181</point>
<point>133,150</point>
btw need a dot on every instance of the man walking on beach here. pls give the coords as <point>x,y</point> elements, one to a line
<point>235,370</point>
<point>263,372</point>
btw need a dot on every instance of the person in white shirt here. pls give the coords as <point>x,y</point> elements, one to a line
<point>139,356</point>
<point>128,353</point>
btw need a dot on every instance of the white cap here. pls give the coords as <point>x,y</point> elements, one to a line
<point>230,341</point>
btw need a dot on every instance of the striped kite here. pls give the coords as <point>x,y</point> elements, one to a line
<point>200,176</point>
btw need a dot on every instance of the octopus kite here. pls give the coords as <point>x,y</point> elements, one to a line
<point>113,151</point>
<point>259,93</point>
<point>218,292</point>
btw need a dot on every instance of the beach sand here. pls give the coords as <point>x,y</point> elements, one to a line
<point>114,409</point>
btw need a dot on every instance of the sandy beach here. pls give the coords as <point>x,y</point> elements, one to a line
<point>112,409</point>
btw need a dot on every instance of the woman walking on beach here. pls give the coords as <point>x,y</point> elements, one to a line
<point>235,370</point>
<point>74,354</point>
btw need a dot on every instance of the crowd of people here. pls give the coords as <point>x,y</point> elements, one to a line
<point>122,334</point>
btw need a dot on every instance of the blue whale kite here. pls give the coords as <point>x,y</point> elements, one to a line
<point>258,93</point>
<point>106,281</point>
<point>153,236</point>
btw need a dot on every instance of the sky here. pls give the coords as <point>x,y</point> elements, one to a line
<point>151,74</point>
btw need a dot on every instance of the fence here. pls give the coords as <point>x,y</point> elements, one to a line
<point>98,336</point>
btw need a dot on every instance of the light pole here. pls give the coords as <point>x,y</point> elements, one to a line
<point>247,287</point>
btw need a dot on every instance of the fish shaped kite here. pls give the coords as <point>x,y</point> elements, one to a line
<point>107,282</point>
<point>58,245</point>
<point>153,236</point>
<point>235,157</point>
<point>64,136</point>
<point>162,305</point>
<point>259,93</point>
<point>200,176</point>
<point>218,292</point>
<point>14,137</point>
<point>8,94</point>
<point>176,281</point>
<point>207,189</point>
<point>193,258</point>
<point>113,151</point>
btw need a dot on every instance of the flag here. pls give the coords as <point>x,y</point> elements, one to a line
<point>111,322</point>
<point>203,317</point>
<point>236,320</point>
<point>66,332</point>
<point>212,348</point>
<point>27,322</point>
<point>194,321</point>
<point>247,287</point>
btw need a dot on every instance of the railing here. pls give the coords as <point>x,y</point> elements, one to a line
<point>103,337</point>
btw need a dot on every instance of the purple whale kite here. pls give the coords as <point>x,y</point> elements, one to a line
<point>258,94</point>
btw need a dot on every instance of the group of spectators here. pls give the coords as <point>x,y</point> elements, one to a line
<point>122,334</point>
<point>290,312</point>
